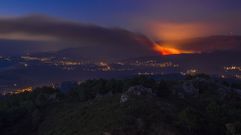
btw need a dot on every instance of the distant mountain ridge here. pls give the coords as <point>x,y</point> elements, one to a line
<point>207,45</point>
<point>202,44</point>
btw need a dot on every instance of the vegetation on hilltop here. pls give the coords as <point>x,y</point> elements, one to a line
<point>194,106</point>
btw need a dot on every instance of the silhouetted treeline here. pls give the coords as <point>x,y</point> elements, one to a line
<point>197,105</point>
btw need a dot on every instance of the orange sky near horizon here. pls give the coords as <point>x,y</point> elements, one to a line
<point>169,33</point>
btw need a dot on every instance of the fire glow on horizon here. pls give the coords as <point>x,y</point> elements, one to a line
<point>171,33</point>
<point>165,50</point>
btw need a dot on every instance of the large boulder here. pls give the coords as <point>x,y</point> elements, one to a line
<point>189,89</point>
<point>237,91</point>
<point>138,90</point>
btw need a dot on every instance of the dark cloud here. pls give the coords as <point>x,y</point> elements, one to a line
<point>101,41</point>
<point>211,44</point>
<point>43,33</point>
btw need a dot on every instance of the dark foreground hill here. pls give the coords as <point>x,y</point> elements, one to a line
<point>140,106</point>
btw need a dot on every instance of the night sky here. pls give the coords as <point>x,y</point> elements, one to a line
<point>127,12</point>
<point>79,22</point>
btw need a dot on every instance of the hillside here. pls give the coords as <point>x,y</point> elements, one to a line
<point>196,105</point>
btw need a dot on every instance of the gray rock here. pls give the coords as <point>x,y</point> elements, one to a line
<point>106,133</point>
<point>189,89</point>
<point>237,91</point>
<point>135,91</point>
<point>124,98</point>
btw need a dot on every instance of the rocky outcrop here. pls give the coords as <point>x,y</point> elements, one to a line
<point>198,86</point>
<point>135,91</point>
<point>189,89</point>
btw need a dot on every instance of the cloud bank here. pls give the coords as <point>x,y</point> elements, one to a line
<point>42,33</point>
<point>103,42</point>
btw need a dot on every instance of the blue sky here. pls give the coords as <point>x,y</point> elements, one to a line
<point>112,11</point>
<point>135,15</point>
<point>167,20</point>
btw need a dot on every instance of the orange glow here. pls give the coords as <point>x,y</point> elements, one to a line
<point>170,31</point>
<point>166,50</point>
<point>172,35</point>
